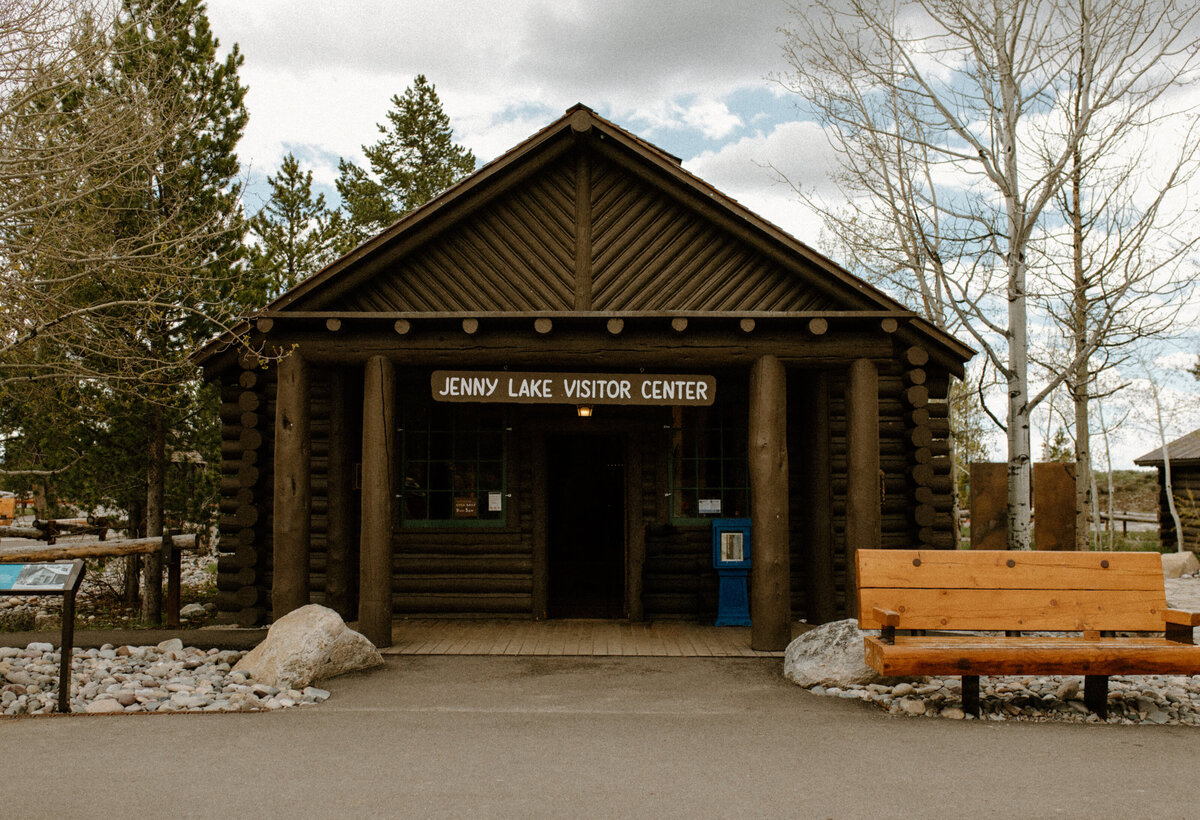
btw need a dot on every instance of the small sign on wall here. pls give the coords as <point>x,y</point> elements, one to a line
<point>710,506</point>
<point>495,502</point>
<point>466,506</point>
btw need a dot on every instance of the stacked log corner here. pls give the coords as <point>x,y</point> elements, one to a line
<point>243,562</point>
<point>927,442</point>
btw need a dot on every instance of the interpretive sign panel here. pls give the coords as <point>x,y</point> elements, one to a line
<point>573,388</point>
<point>50,578</point>
<point>40,578</point>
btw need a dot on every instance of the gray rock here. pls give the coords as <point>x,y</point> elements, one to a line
<point>829,655</point>
<point>1178,564</point>
<point>171,645</point>
<point>309,644</point>
<point>192,611</point>
<point>101,707</point>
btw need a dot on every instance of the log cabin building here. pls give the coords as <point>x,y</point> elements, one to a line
<point>1184,453</point>
<point>529,397</point>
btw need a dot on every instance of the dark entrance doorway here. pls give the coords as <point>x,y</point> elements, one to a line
<point>586,527</point>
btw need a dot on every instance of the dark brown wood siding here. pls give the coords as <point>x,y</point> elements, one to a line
<point>652,252</point>
<point>644,251</point>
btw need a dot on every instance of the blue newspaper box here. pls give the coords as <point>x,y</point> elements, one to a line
<point>731,557</point>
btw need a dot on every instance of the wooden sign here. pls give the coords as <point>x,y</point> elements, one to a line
<point>573,388</point>
<point>466,506</point>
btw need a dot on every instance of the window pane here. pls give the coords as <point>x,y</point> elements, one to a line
<point>453,463</point>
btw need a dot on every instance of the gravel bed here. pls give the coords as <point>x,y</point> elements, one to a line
<point>164,678</point>
<point>1152,699</point>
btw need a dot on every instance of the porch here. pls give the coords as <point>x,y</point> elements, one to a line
<point>577,637</point>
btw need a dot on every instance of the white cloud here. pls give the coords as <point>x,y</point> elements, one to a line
<point>749,170</point>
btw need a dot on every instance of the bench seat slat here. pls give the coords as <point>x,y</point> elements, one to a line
<point>988,569</point>
<point>973,655</point>
<point>1036,609</point>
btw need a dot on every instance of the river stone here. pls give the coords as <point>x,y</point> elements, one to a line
<point>100,707</point>
<point>1178,564</point>
<point>830,655</point>
<point>308,644</point>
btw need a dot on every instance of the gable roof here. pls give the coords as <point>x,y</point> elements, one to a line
<point>1183,450</point>
<point>472,248</point>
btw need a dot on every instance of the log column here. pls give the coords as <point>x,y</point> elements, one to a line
<point>862,470</point>
<point>770,572</point>
<point>375,550</point>
<point>293,488</point>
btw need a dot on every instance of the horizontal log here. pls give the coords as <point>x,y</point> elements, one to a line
<point>920,437</point>
<point>924,515</point>
<point>251,616</point>
<point>916,356</point>
<point>250,419</point>
<point>248,401</point>
<point>245,556</point>
<point>250,439</point>
<point>922,474</point>
<point>635,347</point>
<point>917,417</point>
<point>99,549</point>
<point>914,376</point>
<point>235,580</point>
<point>468,565</point>
<point>492,603</point>
<point>462,584</point>
<point>916,396</point>
<point>250,595</point>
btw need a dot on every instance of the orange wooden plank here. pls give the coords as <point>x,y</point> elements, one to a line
<point>1032,656</point>
<point>990,569</point>
<point>1068,610</point>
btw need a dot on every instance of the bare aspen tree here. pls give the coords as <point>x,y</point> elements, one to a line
<point>959,125</point>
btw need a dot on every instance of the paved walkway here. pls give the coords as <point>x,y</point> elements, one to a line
<point>677,639</point>
<point>539,737</point>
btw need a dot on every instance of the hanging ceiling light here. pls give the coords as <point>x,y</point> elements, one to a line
<point>584,411</point>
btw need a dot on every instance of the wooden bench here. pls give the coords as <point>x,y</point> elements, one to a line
<point>940,596</point>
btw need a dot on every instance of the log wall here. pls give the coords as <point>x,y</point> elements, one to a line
<point>491,572</point>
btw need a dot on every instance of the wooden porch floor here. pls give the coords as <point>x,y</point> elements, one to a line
<point>683,639</point>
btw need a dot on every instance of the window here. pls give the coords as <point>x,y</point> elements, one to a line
<point>709,472</point>
<point>453,459</point>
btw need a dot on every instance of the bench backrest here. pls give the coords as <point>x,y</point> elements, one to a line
<point>998,589</point>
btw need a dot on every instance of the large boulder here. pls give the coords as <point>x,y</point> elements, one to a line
<point>1178,564</point>
<point>830,655</point>
<point>308,644</point>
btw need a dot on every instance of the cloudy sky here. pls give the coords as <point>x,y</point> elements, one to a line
<point>691,76</point>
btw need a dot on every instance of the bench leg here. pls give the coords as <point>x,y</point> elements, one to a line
<point>970,694</point>
<point>1095,694</point>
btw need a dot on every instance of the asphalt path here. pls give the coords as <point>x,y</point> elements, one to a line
<point>457,737</point>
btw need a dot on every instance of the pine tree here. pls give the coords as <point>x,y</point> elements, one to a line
<point>194,194</point>
<point>296,232</point>
<point>123,253</point>
<point>414,161</point>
